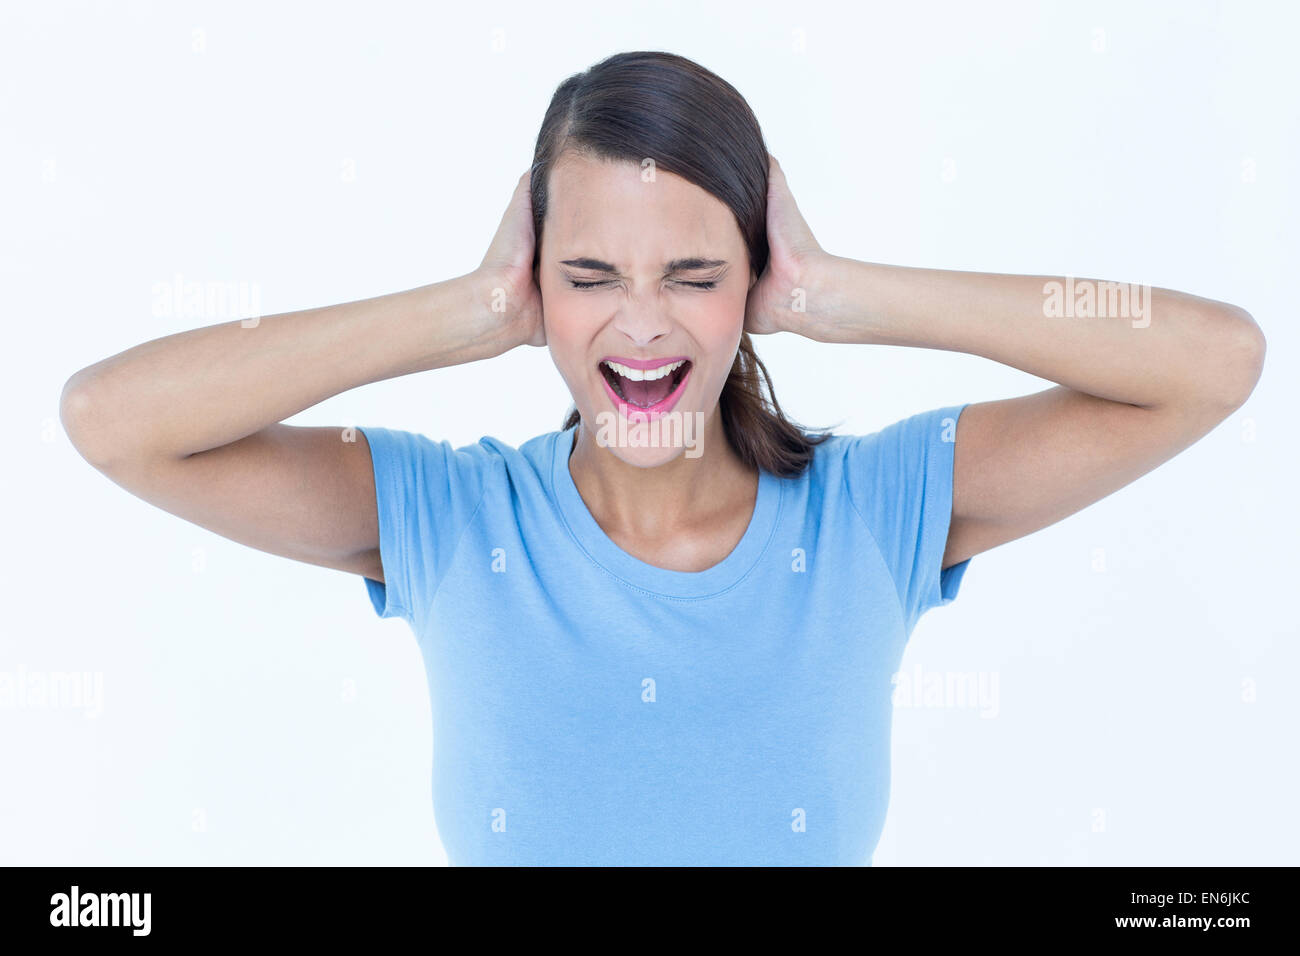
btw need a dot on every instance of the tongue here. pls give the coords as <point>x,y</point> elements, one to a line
<point>646,394</point>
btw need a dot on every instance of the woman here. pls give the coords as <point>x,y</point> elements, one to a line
<point>651,644</point>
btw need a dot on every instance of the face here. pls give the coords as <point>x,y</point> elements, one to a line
<point>651,276</point>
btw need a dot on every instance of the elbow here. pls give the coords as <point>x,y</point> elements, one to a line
<point>1234,358</point>
<point>82,413</point>
<point>1243,357</point>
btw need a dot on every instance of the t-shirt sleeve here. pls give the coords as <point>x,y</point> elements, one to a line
<point>426,493</point>
<point>900,480</point>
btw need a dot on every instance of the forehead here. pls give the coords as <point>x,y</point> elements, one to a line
<point>605,207</point>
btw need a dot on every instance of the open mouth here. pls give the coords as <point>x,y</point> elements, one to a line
<point>645,389</point>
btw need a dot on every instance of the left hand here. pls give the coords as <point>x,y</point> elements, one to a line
<point>793,254</point>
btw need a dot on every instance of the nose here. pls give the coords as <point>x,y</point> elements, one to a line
<point>643,321</point>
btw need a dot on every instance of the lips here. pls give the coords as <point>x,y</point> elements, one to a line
<point>644,383</point>
<point>652,386</point>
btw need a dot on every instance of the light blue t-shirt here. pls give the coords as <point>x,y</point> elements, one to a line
<point>592,709</point>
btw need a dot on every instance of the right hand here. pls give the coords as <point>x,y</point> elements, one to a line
<point>508,265</point>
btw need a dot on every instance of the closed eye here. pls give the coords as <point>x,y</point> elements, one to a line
<point>591,285</point>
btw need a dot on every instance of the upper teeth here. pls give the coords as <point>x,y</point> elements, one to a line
<point>645,375</point>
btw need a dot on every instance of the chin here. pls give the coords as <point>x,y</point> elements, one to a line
<point>646,443</point>
<point>645,457</point>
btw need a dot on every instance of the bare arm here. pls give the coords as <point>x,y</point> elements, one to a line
<point>191,422</point>
<point>1138,384</point>
<point>1143,373</point>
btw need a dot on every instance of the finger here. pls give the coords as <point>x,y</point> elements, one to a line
<point>751,312</point>
<point>774,171</point>
<point>787,226</point>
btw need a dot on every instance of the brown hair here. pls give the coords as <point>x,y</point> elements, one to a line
<point>694,124</point>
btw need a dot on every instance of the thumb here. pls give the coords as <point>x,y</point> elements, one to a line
<point>787,230</point>
<point>513,244</point>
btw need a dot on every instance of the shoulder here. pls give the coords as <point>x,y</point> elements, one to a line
<point>911,439</point>
<point>412,459</point>
<point>486,450</point>
<point>900,455</point>
<point>828,452</point>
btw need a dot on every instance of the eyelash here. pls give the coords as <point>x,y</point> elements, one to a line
<point>591,285</point>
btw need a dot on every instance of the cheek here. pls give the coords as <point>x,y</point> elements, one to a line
<point>716,327</point>
<point>719,322</point>
<point>569,332</point>
<point>572,322</point>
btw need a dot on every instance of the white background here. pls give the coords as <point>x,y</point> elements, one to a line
<point>254,709</point>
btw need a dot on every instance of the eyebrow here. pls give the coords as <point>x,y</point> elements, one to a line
<point>676,265</point>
